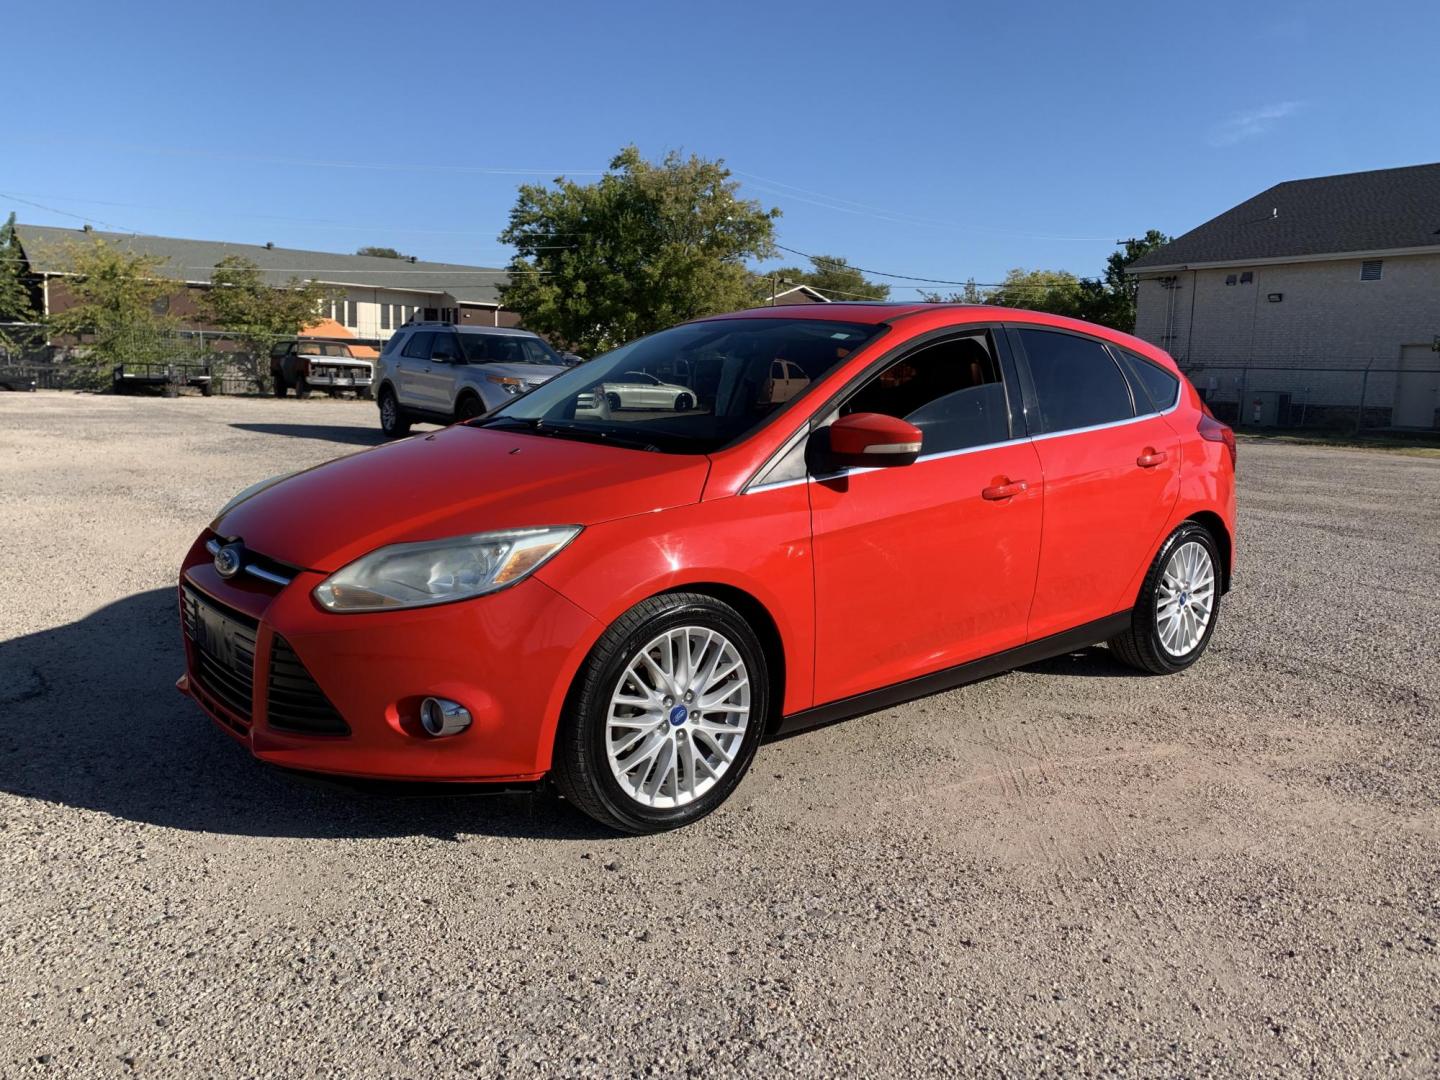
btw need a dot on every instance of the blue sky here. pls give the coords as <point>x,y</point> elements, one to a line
<point>937,139</point>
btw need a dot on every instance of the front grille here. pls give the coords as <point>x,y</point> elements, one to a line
<point>295,701</point>
<point>224,645</point>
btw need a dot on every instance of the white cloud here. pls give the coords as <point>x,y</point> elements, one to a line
<point>1252,123</point>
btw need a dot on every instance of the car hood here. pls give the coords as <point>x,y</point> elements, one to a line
<point>536,373</point>
<point>459,480</point>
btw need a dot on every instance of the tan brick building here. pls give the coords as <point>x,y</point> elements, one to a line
<point>1315,302</point>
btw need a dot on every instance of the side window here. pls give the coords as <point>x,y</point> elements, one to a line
<point>1152,382</point>
<point>1078,383</point>
<point>951,390</point>
<point>445,348</point>
<point>418,347</point>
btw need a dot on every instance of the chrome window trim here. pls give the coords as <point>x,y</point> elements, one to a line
<point>943,454</point>
<point>1107,425</point>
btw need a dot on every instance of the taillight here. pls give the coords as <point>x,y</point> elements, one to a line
<point>1212,430</point>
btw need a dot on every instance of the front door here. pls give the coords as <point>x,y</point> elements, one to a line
<point>1417,387</point>
<point>1111,475</point>
<point>920,567</point>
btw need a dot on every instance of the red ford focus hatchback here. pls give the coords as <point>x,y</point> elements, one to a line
<point>849,506</point>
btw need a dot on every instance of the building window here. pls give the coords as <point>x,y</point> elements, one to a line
<point>1247,277</point>
<point>1370,269</point>
<point>384,316</point>
<point>1230,279</point>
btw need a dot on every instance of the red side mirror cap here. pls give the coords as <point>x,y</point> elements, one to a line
<point>873,440</point>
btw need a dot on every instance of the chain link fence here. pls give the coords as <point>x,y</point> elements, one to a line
<point>168,360</point>
<point>1342,394</point>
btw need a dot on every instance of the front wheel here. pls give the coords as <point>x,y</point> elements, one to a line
<point>684,403</point>
<point>302,388</point>
<point>1178,606</point>
<point>669,711</point>
<point>468,407</point>
<point>393,421</point>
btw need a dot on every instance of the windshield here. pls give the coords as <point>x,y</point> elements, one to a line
<point>691,389</point>
<point>507,349</point>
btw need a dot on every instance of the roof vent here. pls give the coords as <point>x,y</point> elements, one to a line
<point>269,245</point>
<point>412,258</point>
<point>87,227</point>
<point>1370,269</point>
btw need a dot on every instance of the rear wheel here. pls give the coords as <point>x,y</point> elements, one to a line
<point>393,421</point>
<point>667,715</point>
<point>1178,606</point>
<point>281,387</point>
<point>613,400</point>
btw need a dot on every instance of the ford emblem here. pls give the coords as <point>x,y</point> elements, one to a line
<point>228,560</point>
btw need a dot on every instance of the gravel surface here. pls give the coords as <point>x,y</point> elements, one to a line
<point>1068,869</point>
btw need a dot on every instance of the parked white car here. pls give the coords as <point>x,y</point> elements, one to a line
<point>639,390</point>
<point>438,373</point>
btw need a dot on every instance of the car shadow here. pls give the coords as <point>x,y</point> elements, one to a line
<point>1094,662</point>
<point>90,718</point>
<point>335,433</point>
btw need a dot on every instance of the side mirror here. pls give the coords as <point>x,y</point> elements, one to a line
<point>871,440</point>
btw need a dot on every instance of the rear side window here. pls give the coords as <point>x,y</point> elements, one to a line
<point>418,347</point>
<point>1078,383</point>
<point>951,391</point>
<point>1152,382</point>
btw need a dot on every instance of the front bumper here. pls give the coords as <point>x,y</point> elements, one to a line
<point>341,382</point>
<point>508,658</point>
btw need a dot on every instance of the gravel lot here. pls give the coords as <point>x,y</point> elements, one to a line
<point>1067,869</point>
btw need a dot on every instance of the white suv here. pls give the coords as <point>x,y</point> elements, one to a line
<point>438,373</point>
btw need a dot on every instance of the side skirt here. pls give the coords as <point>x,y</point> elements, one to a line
<point>923,686</point>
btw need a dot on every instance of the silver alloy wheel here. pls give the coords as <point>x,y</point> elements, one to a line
<point>1184,598</point>
<point>678,717</point>
<point>387,411</point>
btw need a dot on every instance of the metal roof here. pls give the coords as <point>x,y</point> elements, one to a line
<point>48,250</point>
<point>1377,211</point>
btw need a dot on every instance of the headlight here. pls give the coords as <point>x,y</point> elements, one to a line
<point>253,489</point>
<point>439,571</point>
<point>509,385</point>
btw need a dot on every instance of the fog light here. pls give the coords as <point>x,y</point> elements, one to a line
<point>440,717</point>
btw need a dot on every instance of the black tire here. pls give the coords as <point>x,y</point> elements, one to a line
<point>302,389</point>
<point>613,399</point>
<point>393,421</point>
<point>1140,646</point>
<point>581,765</point>
<point>684,403</point>
<point>207,388</point>
<point>281,387</point>
<point>468,407</point>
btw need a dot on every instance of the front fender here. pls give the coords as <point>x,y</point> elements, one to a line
<point>758,544</point>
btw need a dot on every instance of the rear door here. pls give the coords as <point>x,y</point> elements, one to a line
<point>924,566</point>
<point>411,367</point>
<point>1111,476</point>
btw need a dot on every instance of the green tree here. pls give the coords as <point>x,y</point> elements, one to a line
<point>15,293</point>
<point>1056,291</point>
<point>381,252</point>
<point>240,302</point>
<point>970,293</point>
<point>116,315</point>
<point>1121,289</point>
<point>646,246</point>
<point>834,277</point>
